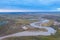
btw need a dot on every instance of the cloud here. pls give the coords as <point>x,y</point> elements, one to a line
<point>16,10</point>
<point>29,4</point>
<point>40,2</point>
<point>22,10</point>
<point>57,9</point>
<point>47,2</point>
<point>36,2</point>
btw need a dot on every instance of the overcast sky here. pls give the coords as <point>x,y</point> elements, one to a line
<point>30,4</point>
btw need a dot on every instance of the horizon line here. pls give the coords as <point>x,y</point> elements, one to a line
<point>16,10</point>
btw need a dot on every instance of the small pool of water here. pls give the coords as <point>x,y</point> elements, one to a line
<point>3,22</point>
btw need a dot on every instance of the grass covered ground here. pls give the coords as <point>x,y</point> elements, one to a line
<point>14,26</point>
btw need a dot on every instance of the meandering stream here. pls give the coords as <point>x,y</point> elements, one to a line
<point>34,33</point>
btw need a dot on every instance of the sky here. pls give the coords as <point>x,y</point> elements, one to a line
<point>33,5</point>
